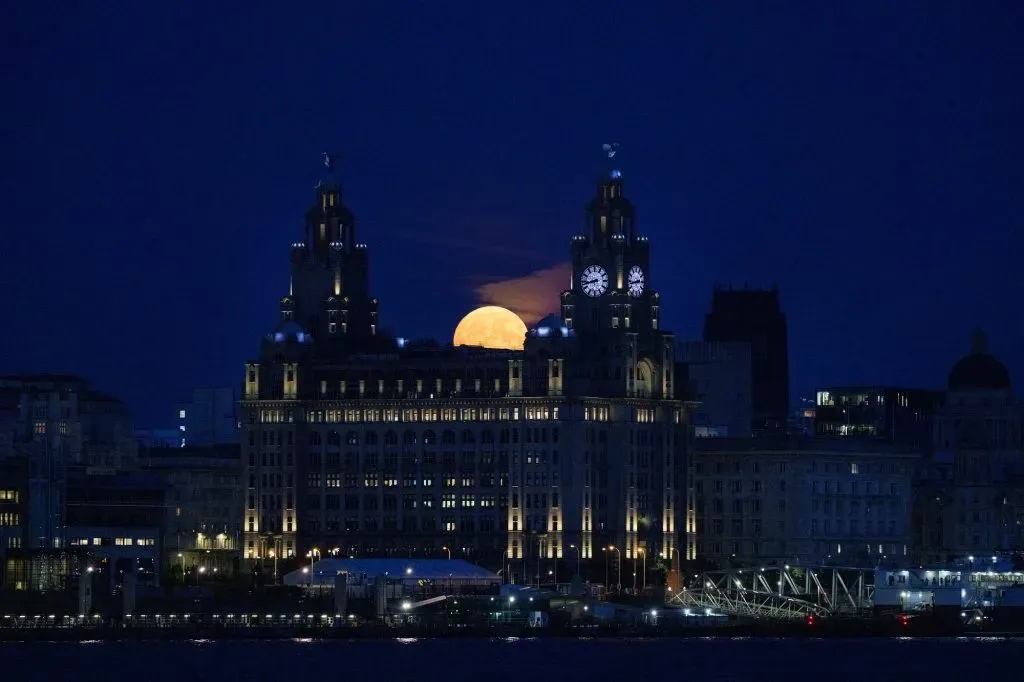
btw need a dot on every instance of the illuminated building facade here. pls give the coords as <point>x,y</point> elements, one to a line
<point>203,499</point>
<point>357,443</point>
<point>901,416</point>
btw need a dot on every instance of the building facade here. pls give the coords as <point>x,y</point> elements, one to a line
<point>970,497</point>
<point>356,444</point>
<point>755,316</point>
<point>718,376</point>
<point>790,499</point>
<point>202,517</point>
<point>901,416</point>
<point>208,417</point>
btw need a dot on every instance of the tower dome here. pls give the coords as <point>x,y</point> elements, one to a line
<point>979,370</point>
<point>289,331</point>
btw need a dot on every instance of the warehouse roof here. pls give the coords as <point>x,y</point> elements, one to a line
<point>417,569</point>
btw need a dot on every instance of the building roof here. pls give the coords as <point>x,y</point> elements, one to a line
<point>794,442</point>
<point>979,371</point>
<point>325,570</point>
<point>42,377</point>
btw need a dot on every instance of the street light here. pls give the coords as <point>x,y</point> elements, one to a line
<point>640,550</point>
<point>202,569</point>
<point>445,548</point>
<point>577,558</point>
<point>311,554</point>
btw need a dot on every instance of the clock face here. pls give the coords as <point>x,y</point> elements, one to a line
<point>636,281</point>
<point>594,280</point>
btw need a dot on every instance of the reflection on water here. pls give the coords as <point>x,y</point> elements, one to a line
<point>513,658</point>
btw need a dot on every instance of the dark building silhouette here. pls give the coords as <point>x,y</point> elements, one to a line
<point>755,316</point>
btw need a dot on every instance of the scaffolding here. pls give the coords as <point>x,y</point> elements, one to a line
<point>782,593</point>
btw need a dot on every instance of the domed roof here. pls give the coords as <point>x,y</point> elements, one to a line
<point>979,371</point>
<point>551,325</point>
<point>289,331</point>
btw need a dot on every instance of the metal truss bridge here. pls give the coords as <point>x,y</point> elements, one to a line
<point>781,592</point>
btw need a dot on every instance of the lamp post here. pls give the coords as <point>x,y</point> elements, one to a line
<point>577,558</point>
<point>311,554</point>
<point>640,550</point>
<point>540,552</point>
<point>618,566</point>
<point>445,548</point>
<point>201,570</point>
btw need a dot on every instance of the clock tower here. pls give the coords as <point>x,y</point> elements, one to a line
<point>329,293</point>
<point>610,303</point>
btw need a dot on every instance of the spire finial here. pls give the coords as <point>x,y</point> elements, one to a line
<point>329,160</point>
<point>611,149</point>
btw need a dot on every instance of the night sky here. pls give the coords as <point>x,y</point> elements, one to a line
<point>157,159</point>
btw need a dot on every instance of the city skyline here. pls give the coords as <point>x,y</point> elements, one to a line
<point>838,185</point>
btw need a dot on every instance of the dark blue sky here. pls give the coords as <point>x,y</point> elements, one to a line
<point>158,158</point>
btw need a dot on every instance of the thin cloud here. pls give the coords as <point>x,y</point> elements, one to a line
<point>531,296</point>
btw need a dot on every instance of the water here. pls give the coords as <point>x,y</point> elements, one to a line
<point>522,660</point>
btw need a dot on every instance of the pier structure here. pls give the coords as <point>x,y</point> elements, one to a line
<point>787,592</point>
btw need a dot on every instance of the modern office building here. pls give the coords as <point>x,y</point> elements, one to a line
<point>717,375</point>
<point>755,317</point>
<point>353,443</point>
<point>901,416</point>
<point>117,519</point>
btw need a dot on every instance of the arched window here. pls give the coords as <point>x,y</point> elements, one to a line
<point>390,438</point>
<point>334,438</point>
<point>429,437</point>
<point>352,438</point>
<point>448,437</point>
<point>467,436</point>
<point>314,438</point>
<point>409,438</point>
<point>371,438</point>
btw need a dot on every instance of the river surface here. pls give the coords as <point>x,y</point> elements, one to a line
<point>522,660</point>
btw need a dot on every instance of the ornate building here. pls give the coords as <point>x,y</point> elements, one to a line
<point>971,497</point>
<point>355,442</point>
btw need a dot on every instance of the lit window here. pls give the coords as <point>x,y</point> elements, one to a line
<point>181,414</point>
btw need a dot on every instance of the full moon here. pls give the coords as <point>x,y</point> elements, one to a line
<point>491,327</point>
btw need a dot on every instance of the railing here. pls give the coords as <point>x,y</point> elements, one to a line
<point>785,592</point>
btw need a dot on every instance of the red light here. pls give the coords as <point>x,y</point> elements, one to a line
<point>810,620</point>
<point>904,620</point>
